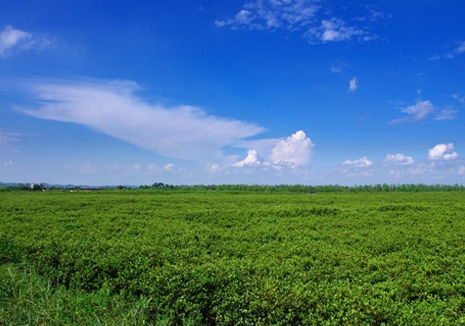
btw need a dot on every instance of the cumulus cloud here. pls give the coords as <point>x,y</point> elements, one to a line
<point>296,16</point>
<point>12,40</point>
<point>168,167</point>
<point>353,84</point>
<point>293,151</point>
<point>362,162</point>
<point>398,159</point>
<point>416,112</point>
<point>250,160</point>
<point>214,168</point>
<point>111,107</point>
<point>278,153</point>
<point>442,152</point>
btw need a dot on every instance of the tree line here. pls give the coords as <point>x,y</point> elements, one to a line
<point>252,188</point>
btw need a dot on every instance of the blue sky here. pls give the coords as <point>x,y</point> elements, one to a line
<point>270,91</point>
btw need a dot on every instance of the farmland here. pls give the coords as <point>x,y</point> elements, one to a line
<point>232,258</point>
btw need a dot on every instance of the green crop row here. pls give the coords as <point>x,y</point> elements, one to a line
<point>219,258</point>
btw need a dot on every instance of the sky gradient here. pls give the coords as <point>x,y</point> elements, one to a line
<point>257,92</point>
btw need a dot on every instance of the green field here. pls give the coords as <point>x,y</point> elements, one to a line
<point>232,258</point>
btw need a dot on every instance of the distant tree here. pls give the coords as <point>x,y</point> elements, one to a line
<point>37,187</point>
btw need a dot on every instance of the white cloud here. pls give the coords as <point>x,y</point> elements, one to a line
<point>353,84</point>
<point>168,167</point>
<point>214,168</point>
<point>293,151</point>
<point>422,169</point>
<point>373,16</point>
<point>442,152</point>
<point>12,40</point>
<point>8,140</point>
<point>338,67</point>
<point>416,112</point>
<point>273,14</point>
<point>262,146</point>
<point>459,97</point>
<point>461,170</point>
<point>297,16</point>
<point>336,30</point>
<point>460,48</point>
<point>8,163</point>
<point>112,108</point>
<point>395,174</point>
<point>449,55</point>
<point>136,168</point>
<point>399,159</point>
<point>279,153</point>
<point>446,114</point>
<point>362,162</point>
<point>250,160</point>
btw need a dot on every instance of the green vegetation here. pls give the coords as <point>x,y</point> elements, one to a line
<point>162,257</point>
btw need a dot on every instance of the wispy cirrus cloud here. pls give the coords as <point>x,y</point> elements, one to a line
<point>307,17</point>
<point>13,40</point>
<point>459,97</point>
<point>451,54</point>
<point>8,139</point>
<point>113,108</point>
<point>446,114</point>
